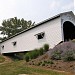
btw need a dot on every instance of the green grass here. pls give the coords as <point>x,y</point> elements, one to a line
<point>20,67</point>
<point>2,59</point>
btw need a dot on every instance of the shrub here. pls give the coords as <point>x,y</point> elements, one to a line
<point>43,63</point>
<point>46,47</point>
<point>36,52</point>
<point>50,62</point>
<point>56,54</point>
<point>39,63</point>
<point>68,55</point>
<point>65,55</point>
<point>41,51</point>
<point>27,57</point>
<point>33,54</point>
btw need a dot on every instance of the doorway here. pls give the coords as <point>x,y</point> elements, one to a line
<point>69,31</point>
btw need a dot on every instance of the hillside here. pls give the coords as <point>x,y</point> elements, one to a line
<point>56,64</point>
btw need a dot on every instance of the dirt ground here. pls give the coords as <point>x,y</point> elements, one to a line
<point>59,65</point>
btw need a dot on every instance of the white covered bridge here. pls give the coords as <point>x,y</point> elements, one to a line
<point>51,31</point>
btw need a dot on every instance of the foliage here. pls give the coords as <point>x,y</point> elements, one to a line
<point>39,63</point>
<point>14,25</point>
<point>56,54</point>
<point>27,57</point>
<point>36,52</point>
<point>31,55</point>
<point>46,47</point>
<point>43,63</point>
<point>68,55</point>
<point>49,62</point>
<point>41,51</point>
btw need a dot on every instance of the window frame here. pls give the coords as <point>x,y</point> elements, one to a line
<point>42,34</point>
<point>14,43</point>
<point>2,47</point>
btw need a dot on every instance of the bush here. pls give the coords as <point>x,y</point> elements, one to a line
<point>36,52</point>
<point>50,62</point>
<point>65,55</point>
<point>68,55</point>
<point>39,63</point>
<point>56,55</point>
<point>46,47</point>
<point>43,63</point>
<point>41,51</point>
<point>33,54</point>
<point>27,57</point>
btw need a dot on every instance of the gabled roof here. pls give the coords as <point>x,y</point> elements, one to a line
<point>41,23</point>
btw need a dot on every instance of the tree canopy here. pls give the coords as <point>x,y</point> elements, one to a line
<point>14,25</point>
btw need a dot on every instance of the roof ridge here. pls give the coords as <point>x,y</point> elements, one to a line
<point>38,24</point>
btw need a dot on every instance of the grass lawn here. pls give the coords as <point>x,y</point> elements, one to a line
<point>20,67</point>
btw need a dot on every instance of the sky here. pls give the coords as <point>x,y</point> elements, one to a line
<point>35,10</point>
<point>74,6</point>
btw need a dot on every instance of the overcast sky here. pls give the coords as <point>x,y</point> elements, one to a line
<point>35,10</point>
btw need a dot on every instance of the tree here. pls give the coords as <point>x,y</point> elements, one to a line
<point>14,25</point>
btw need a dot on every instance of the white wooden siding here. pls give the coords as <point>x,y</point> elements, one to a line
<point>27,41</point>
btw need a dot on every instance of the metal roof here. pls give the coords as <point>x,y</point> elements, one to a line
<point>41,23</point>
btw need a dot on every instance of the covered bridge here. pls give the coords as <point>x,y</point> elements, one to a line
<point>51,31</point>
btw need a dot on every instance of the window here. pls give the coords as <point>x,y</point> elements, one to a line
<point>3,47</point>
<point>40,35</point>
<point>14,43</point>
